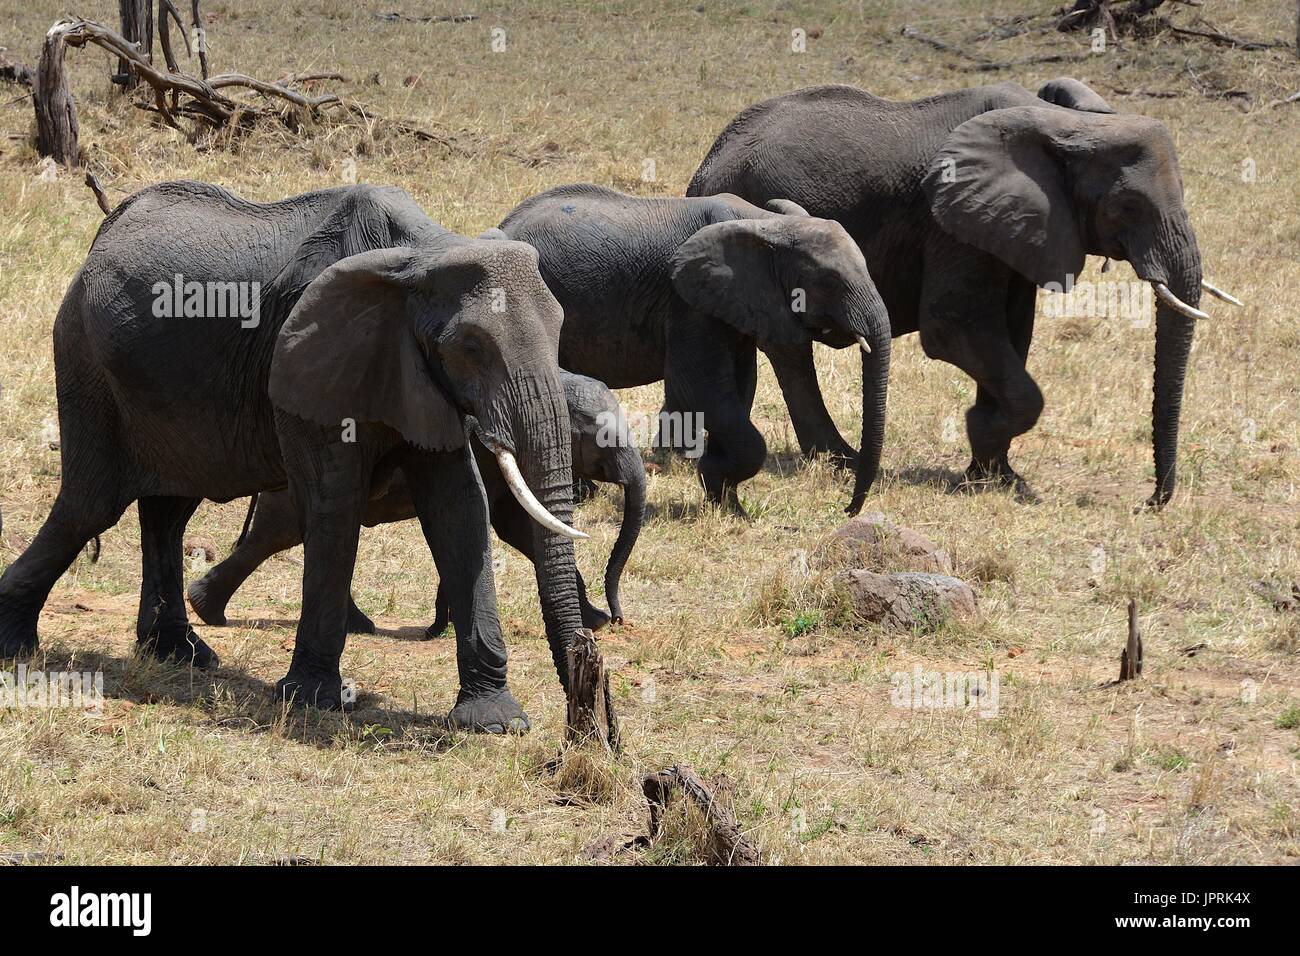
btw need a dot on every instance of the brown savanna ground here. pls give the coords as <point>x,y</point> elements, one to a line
<point>753,672</point>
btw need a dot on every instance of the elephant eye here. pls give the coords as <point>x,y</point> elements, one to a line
<point>473,345</point>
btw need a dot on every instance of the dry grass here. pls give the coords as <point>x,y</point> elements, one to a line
<point>736,661</point>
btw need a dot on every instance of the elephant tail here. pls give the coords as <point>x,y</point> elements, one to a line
<point>248,520</point>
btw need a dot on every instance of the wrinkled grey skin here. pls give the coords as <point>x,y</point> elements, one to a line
<point>370,314</point>
<point>274,521</point>
<point>1040,182</point>
<point>683,290</point>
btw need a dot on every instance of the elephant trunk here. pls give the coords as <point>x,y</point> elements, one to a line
<point>541,430</point>
<point>1173,261</point>
<point>631,475</point>
<point>869,321</point>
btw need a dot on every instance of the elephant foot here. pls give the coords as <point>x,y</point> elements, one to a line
<point>1156,502</point>
<point>494,712</point>
<point>998,474</point>
<point>17,631</point>
<point>593,618</point>
<point>841,458</point>
<point>306,689</point>
<point>358,621</point>
<point>210,608</point>
<point>180,646</point>
<point>441,624</point>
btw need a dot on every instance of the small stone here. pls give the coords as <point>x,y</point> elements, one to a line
<point>874,542</point>
<point>914,601</point>
<point>194,547</point>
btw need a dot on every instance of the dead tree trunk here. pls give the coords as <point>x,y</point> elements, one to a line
<point>137,27</point>
<point>56,112</point>
<point>591,710</point>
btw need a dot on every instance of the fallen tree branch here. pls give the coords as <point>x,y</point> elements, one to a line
<point>200,38</point>
<point>728,845</point>
<point>1223,39</point>
<point>912,33</point>
<point>444,18</point>
<point>990,66</point>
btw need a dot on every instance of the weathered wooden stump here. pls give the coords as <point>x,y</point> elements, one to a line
<point>56,111</point>
<point>591,710</point>
<point>1130,661</point>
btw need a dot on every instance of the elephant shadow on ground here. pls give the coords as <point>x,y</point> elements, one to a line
<point>407,632</point>
<point>231,697</point>
<point>945,479</point>
<point>958,483</point>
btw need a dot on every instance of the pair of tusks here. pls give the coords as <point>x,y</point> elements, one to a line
<point>1178,305</point>
<point>528,501</point>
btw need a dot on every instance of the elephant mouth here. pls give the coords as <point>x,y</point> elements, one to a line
<point>834,338</point>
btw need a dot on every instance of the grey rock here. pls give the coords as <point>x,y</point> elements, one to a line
<point>914,601</point>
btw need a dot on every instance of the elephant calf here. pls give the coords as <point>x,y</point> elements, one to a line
<point>602,451</point>
<point>684,291</point>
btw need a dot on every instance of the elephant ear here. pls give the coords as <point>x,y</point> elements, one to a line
<point>349,351</point>
<point>735,272</point>
<point>1068,92</point>
<point>999,184</point>
<point>786,207</point>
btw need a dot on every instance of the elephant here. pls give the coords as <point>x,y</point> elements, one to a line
<point>684,290</point>
<point>962,204</point>
<point>595,419</point>
<point>371,335</point>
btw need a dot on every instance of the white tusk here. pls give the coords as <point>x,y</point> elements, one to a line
<point>863,342</point>
<point>1175,303</point>
<point>1220,294</point>
<point>519,488</point>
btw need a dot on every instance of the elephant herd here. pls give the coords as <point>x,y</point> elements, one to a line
<point>397,370</point>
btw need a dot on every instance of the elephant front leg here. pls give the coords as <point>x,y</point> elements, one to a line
<point>453,512</point>
<point>329,483</point>
<point>813,425</point>
<point>702,386</point>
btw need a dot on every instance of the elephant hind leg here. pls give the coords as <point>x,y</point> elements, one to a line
<point>274,528</point>
<point>78,516</point>
<point>163,627</point>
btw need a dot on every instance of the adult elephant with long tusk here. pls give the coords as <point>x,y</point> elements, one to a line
<point>211,347</point>
<point>684,291</point>
<point>962,205</point>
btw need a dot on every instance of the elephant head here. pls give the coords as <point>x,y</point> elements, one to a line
<point>1041,187</point>
<point>791,278</point>
<point>416,339</point>
<point>603,450</point>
